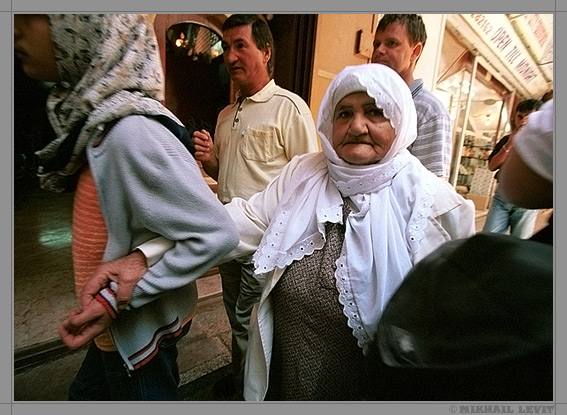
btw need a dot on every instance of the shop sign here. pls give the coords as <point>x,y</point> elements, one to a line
<point>536,31</point>
<point>497,32</point>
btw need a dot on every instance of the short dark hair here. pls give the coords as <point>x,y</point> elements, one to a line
<point>261,33</point>
<point>547,96</point>
<point>528,105</point>
<point>412,22</point>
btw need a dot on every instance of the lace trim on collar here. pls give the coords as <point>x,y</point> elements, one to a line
<point>267,256</point>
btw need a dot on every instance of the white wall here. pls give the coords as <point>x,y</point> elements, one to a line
<point>427,66</point>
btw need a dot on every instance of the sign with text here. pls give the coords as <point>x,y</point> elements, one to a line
<point>498,33</point>
<point>536,31</point>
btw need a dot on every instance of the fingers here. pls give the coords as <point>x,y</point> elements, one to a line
<point>90,314</point>
<point>102,276</point>
<point>133,268</point>
<point>203,145</point>
<point>74,312</point>
<point>202,135</point>
<point>73,338</point>
<point>126,272</point>
<point>82,326</point>
<point>124,294</point>
<point>202,139</point>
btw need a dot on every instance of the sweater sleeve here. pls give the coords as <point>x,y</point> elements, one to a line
<point>152,186</point>
<point>251,217</point>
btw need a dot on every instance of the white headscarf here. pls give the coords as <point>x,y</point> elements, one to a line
<point>385,228</point>
<point>110,67</point>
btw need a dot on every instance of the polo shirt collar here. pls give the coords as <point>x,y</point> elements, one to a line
<point>262,95</point>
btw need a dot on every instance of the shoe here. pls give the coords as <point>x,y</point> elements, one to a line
<point>224,387</point>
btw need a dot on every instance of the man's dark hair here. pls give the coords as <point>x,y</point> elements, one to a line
<point>547,96</point>
<point>529,105</point>
<point>261,33</point>
<point>412,22</point>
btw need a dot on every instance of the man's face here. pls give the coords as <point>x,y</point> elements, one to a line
<point>521,118</point>
<point>393,48</point>
<point>246,63</point>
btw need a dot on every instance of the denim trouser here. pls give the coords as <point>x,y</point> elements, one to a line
<point>103,376</point>
<point>241,289</point>
<point>503,215</point>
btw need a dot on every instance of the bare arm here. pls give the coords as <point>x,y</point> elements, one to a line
<point>499,158</point>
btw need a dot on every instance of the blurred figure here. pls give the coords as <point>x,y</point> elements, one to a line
<point>122,153</point>
<point>526,179</point>
<point>474,320</point>
<point>503,215</point>
<point>398,43</point>
<point>547,96</point>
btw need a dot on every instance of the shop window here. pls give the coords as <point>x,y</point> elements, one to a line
<point>479,115</point>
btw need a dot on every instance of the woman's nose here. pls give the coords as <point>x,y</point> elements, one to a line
<point>358,125</point>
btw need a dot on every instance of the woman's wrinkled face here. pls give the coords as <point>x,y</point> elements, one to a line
<point>361,133</point>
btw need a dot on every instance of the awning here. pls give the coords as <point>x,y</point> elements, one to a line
<point>516,48</point>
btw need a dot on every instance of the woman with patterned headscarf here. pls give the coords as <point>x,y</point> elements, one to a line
<point>335,234</point>
<point>122,152</point>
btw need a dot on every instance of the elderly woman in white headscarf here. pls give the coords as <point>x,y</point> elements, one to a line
<point>335,234</point>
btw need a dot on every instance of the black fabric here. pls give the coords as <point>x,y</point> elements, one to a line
<point>177,130</point>
<point>497,149</point>
<point>473,320</point>
<point>545,235</point>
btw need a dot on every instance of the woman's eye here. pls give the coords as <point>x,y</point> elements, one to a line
<point>376,112</point>
<point>342,115</point>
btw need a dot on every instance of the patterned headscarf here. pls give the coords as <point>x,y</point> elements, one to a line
<point>109,67</point>
<point>391,203</point>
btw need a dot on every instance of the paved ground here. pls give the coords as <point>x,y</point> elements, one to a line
<point>204,355</point>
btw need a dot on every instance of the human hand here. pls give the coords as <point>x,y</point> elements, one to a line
<point>84,325</point>
<point>204,151</point>
<point>126,272</point>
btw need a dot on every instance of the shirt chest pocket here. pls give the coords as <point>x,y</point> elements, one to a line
<point>261,145</point>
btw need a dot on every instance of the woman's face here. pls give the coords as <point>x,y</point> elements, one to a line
<point>361,133</point>
<point>33,46</point>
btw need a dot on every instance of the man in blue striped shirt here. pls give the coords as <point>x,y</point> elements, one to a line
<point>398,43</point>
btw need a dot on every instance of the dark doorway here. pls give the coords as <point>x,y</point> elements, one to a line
<point>197,85</point>
<point>196,74</point>
<point>294,36</point>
